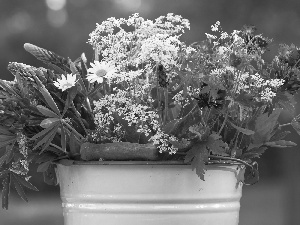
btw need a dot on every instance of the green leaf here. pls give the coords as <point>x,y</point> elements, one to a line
<point>48,142</point>
<point>48,122</point>
<point>66,162</point>
<point>43,167</point>
<point>48,98</point>
<point>50,176</point>
<point>255,152</point>
<point>296,124</point>
<point>280,144</point>
<point>242,130</point>
<point>286,101</point>
<point>7,137</point>
<point>44,132</point>
<point>19,189</point>
<point>46,112</point>
<point>7,154</point>
<point>5,190</point>
<point>198,155</point>
<point>46,138</point>
<point>264,126</point>
<point>63,139</point>
<point>4,130</point>
<point>279,136</point>
<point>8,88</point>
<point>46,156</point>
<point>59,63</point>
<point>71,95</point>
<point>25,183</point>
<point>251,174</point>
<point>216,146</point>
<point>5,143</point>
<point>74,145</point>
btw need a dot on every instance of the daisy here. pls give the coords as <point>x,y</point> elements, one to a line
<point>100,70</point>
<point>65,82</point>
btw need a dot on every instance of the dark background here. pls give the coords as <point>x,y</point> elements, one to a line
<point>63,26</point>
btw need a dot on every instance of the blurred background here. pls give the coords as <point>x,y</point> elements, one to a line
<point>63,26</point>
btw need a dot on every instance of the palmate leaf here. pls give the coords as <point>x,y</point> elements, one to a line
<point>19,188</point>
<point>25,183</point>
<point>46,112</point>
<point>48,98</point>
<point>255,152</point>
<point>264,126</point>
<point>198,156</point>
<point>216,145</point>
<point>47,136</point>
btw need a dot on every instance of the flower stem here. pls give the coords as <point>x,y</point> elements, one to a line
<point>224,122</point>
<point>284,125</point>
<point>72,129</point>
<point>79,118</point>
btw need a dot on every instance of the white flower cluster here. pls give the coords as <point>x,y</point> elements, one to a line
<point>21,166</point>
<point>162,141</point>
<point>145,120</point>
<point>150,42</point>
<point>268,86</point>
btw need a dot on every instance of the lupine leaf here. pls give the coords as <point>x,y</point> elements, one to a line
<point>46,112</point>
<point>48,142</point>
<point>71,95</point>
<point>43,132</point>
<point>5,143</point>
<point>19,189</point>
<point>48,98</point>
<point>47,137</point>
<point>25,183</point>
<point>48,122</point>
<point>5,190</point>
<point>4,130</point>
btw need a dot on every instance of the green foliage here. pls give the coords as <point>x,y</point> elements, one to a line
<point>208,101</point>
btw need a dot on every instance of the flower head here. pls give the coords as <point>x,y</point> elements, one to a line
<point>100,70</point>
<point>65,82</point>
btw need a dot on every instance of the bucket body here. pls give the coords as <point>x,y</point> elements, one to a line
<point>141,193</point>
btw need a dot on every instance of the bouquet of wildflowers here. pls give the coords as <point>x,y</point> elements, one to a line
<point>147,95</point>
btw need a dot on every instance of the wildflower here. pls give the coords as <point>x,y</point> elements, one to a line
<point>65,82</point>
<point>100,70</point>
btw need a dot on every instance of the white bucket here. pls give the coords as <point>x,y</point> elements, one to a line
<point>149,193</point>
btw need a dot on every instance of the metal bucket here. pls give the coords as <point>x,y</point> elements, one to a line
<point>149,193</point>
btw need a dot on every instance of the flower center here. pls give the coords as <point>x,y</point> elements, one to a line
<point>66,86</point>
<point>101,73</point>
